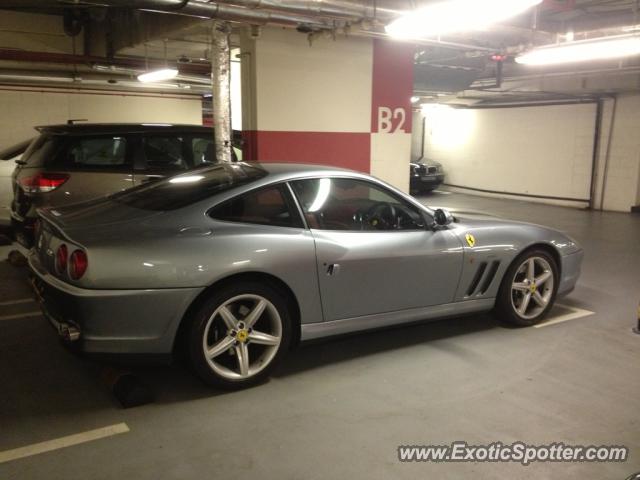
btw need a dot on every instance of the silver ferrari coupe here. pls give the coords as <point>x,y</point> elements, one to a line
<point>236,263</point>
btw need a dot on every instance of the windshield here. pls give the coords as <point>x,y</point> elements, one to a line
<point>189,188</point>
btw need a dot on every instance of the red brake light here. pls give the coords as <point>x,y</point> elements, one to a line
<point>61,258</point>
<point>43,182</point>
<point>78,264</point>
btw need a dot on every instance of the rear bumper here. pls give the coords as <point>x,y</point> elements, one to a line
<point>570,272</point>
<point>123,322</point>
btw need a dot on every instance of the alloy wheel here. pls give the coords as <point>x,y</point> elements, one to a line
<point>532,287</point>
<point>242,336</point>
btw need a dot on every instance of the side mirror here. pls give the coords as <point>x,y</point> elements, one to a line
<point>442,217</point>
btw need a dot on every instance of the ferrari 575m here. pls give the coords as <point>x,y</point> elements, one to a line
<point>238,262</point>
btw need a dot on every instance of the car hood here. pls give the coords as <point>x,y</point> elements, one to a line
<point>490,229</point>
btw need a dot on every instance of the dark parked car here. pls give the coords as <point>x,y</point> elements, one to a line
<point>72,163</point>
<point>425,176</point>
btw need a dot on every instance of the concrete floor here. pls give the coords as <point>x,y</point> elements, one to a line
<point>340,409</point>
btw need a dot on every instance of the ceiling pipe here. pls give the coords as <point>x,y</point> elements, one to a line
<point>291,13</point>
<point>47,79</point>
<point>289,10</point>
<point>192,8</point>
<point>139,64</point>
<point>486,82</point>
<point>350,9</point>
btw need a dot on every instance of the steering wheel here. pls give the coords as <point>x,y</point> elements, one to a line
<point>381,216</point>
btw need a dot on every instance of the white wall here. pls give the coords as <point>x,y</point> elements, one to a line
<point>530,150</point>
<point>416,137</point>
<point>622,189</point>
<point>540,150</point>
<point>325,87</point>
<point>23,109</point>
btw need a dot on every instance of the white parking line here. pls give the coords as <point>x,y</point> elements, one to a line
<point>63,442</point>
<point>573,315</point>
<point>16,302</point>
<point>21,315</point>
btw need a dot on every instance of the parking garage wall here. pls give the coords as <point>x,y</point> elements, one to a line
<point>342,102</point>
<point>543,150</point>
<point>23,108</point>
<point>618,176</point>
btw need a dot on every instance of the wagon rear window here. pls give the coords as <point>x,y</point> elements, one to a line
<point>189,188</point>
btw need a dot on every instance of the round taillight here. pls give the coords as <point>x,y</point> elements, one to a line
<point>78,264</point>
<point>62,254</point>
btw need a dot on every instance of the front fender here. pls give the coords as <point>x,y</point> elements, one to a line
<point>490,246</point>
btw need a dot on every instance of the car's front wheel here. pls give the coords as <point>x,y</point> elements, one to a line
<point>239,334</point>
<point>528,288</point>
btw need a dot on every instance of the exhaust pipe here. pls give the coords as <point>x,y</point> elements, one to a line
<point>68,332</point>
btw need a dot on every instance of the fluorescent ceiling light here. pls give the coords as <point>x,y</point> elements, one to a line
<point>456,16</point>
<point>158,75</point>
<point>570,52</point>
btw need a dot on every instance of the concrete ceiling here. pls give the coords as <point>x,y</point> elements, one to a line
<point>116,43</point>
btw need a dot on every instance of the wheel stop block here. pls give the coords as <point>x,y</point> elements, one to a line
<point>128,389</point>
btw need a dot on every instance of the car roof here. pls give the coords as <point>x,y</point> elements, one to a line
<point>107,128</point>
<point>285,168</point>
<point>277,172</point>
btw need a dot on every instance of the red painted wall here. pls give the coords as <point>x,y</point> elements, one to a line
<point>347,150</point>
<point>392,83</point>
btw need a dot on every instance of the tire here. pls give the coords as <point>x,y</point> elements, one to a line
<point>517,285</point>
<point>225,325</point>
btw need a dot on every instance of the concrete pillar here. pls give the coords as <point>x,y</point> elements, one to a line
<point>329,102</point>
<point>221,87</point>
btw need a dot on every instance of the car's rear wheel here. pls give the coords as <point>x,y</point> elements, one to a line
<point>239,334</point>
<point>528,288</point>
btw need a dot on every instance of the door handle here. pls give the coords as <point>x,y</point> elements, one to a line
<point>333,269</point>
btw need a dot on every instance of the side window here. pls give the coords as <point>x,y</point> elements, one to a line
<point>204,150</point>
<point>266,206</point>
<point>164,153</point>
<point>100,153</point>
<point>349,204</point>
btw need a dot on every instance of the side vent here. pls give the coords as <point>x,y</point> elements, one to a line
<point>478,288</point>
<point>488,280</point>
<point>476,278</point>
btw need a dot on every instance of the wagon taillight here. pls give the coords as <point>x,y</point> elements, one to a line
<point>43,182</point>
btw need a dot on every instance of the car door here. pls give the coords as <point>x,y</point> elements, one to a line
<point>374,252</point>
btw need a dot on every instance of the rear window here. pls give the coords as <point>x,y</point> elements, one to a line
<point>103,152</point>
<point>40,149</point>
<point>189,188</point>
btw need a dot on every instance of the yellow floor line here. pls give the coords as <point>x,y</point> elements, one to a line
<point>573,315</point>
<point>63,442</point>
